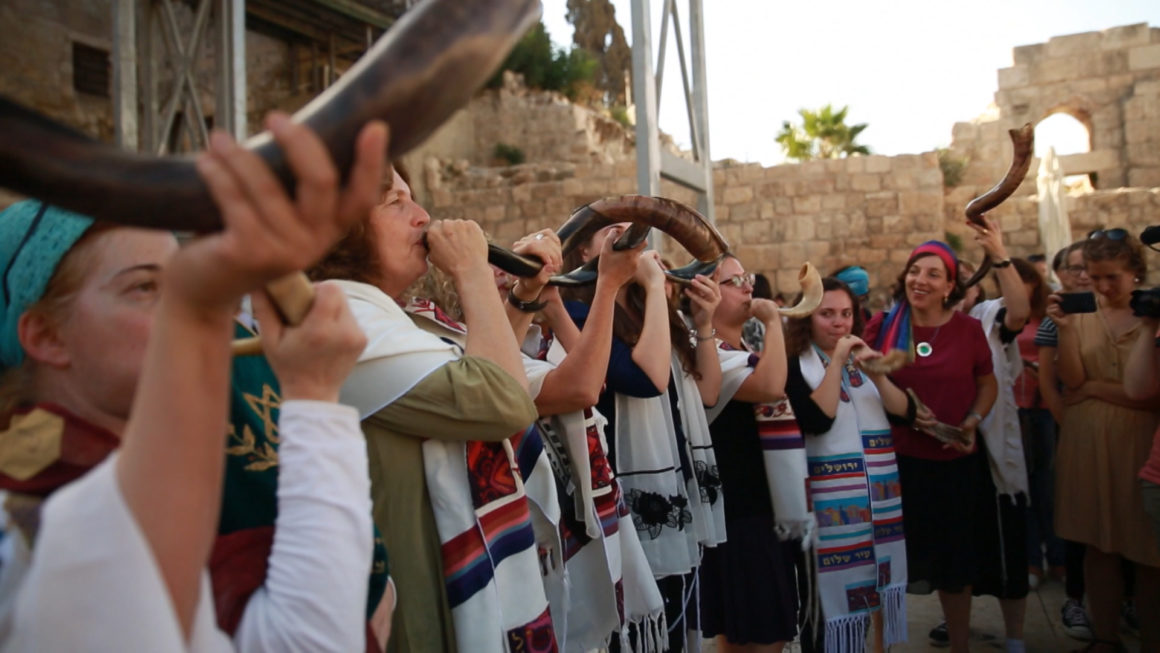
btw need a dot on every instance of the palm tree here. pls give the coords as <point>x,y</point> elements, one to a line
<point>823,134</point>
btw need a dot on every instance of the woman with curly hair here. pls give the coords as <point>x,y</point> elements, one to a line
<point>951,374</point>
<point>1105,441</point>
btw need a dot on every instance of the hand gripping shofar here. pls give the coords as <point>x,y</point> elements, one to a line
<point>685,225</point>
<point>415,77</point>
<point>1023,146</point>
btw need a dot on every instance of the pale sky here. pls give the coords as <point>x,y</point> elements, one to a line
<point>909,68</point>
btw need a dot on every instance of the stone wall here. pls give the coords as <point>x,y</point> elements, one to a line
<point>866,210</point>
<point>1108,80</point>
<point>37,65</point>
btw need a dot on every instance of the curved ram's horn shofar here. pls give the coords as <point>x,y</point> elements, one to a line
<point>1023,145</point>
<point>892,361</point>
<point>811,283</point>
<point>685,225</point>
<point>415,77</point>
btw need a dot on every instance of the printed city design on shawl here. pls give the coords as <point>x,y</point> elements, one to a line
<point>489,547</point>
<point>856,495</point>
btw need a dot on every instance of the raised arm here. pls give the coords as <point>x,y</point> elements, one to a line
<point>767,383</point>
<point>576,383</point>
<point>544,245</point>
<point>704,296</point>
<point>314,595</point>
<point>1141,379</point>
<point>459,249</point>
<point>1010,285</point>
<point>173,437</point>
<point>653,351</point>
<point>1069,365</point>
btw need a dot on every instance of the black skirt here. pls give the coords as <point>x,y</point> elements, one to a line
<point>1001,538</point>
<point>940,502</point>
<point>748,586</point>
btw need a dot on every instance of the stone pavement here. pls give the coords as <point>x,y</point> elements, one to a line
<point>1043,631</point>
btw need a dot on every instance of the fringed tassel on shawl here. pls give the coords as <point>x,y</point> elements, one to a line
<point>894,614</point>
<point>652,634</point>
<point>847,633</point>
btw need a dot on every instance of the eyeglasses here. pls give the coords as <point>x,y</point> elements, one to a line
<point>740,280</point>
<point>1110,234</point>
<point>1074,269</point>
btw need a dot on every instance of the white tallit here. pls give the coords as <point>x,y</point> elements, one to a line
<point>1000,429</point>
<point>603,559</point>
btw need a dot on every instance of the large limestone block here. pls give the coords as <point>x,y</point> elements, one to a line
<point>1125,36</point>
<point>1144,58</point>
<point>1014,76</point>
<point>1073,43</point>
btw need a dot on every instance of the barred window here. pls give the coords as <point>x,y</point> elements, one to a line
<point>91,70</point>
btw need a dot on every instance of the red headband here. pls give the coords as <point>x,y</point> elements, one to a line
<point>941,250</point>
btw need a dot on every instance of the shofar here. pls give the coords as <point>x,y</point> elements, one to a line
<point>686,226</point>
<point>811,283</point>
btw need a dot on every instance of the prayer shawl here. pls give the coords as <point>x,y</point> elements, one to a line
<point>649,467</point>
<point>42,450</point>
<point>250,493</point>
<point>608,587</point>
<point>484,521</point>
<point>782,447</point>
<point>1001,429</point>
<point>856,495</point>
<point>704,486</point>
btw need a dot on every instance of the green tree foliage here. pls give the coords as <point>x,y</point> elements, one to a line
<point>822,134</point>
<point>547,67</point>
<point>598,33</point>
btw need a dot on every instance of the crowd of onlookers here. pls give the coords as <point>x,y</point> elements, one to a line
<point>443,457</point>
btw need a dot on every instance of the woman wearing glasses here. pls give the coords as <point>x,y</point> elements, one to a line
<point>748,595</point>
<point>1105,440</point>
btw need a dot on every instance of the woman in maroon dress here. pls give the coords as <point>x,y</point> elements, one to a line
<point>952,376</point>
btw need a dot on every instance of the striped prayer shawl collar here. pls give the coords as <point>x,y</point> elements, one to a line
<point>484,522</point>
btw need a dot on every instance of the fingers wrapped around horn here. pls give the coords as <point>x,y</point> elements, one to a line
<point>683,224</point>
<point>892,361</point>
<point>415,77</point>
<point>811,283</point>
<point>1023,146</point>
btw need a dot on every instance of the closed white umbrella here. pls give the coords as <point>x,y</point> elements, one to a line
<point>1054,227</point>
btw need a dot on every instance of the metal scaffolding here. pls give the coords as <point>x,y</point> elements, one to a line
<point>158,106</point>
<point>653,163</point>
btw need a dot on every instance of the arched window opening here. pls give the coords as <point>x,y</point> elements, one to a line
<point>1067,135</point>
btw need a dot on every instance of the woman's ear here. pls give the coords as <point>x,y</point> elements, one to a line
<point>39,336</point>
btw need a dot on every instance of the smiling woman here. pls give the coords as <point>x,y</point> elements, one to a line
<point>952,375</point>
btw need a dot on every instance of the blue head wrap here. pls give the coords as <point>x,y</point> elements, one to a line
<point>856,278</point>
<point>34,237</point>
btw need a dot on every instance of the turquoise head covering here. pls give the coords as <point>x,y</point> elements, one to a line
<point>34,237</point>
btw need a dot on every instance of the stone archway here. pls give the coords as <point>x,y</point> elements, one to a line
<point>1067,129</point>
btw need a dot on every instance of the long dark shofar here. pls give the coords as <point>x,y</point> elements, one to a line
<point>1023,146</point>
<point>415,77</point>
<point>685,225</point>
